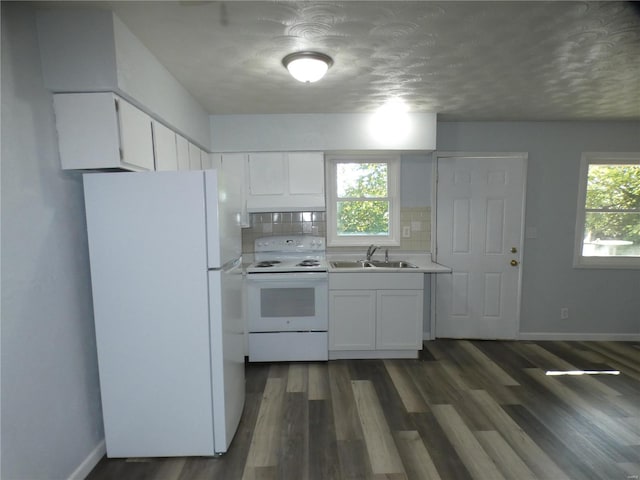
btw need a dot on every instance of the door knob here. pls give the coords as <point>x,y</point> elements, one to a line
<point>514,263</point>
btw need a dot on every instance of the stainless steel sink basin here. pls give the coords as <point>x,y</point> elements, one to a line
<point>372,264</point>
<point>392,264</point>
<point>351,264</point>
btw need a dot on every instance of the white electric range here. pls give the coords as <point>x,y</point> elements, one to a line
<point>287,294</point>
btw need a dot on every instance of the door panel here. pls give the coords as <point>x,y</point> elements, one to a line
<point>480,204</point>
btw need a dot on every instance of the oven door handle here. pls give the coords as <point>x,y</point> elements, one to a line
<point>287,277</point>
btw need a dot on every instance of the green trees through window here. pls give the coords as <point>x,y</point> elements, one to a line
<point>612,210</point>
<point>362,199</point>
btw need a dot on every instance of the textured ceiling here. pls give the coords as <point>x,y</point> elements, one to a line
<point>464,60</point>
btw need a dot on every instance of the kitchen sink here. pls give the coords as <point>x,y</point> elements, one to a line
<point>392,264</point>
<point>351,264</point>
<point>374,264</point>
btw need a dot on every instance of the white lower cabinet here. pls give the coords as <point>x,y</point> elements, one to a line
<point>375,315</point>
<point>352,320</point>
<point>399,319</point>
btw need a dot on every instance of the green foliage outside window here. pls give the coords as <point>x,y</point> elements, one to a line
<point>613,203</point>
<point>362,205</point>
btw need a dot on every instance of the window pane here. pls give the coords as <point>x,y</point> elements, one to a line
<point>613,187</point>
<point>611,234</point>
<point>362,180</point>
<point>363,218</point>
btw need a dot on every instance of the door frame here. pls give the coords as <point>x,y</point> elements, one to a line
<point>437,156</point>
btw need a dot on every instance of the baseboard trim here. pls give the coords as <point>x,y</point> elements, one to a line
<point>595,337</point>
<point>371,354</point>
<point>88,463</point>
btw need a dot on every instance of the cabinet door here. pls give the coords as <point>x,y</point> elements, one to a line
<point>88,130</point>
<point>267,174</point>
<point>195,162</point>
<point>164,142</point>
<point>306,173</point>
<point>206,160</point>
<point>233,166</point>
<point>399,319</point>
<point>135,136</point>
<point>352,319</point>
<point>182,145</point>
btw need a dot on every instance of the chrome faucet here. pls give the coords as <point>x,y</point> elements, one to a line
<point>370,251</point>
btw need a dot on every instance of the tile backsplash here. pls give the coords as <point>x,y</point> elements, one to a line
<point>416,219</point>
<point>282,223</point>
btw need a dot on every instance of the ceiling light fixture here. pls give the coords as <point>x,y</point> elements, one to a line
<point>307,67</point>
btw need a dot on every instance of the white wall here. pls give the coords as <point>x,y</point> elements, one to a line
<point>51,416</point>
<point>143,78</point>
<point>335,132</point>
<point>599,301</point>
<point>91,50</point>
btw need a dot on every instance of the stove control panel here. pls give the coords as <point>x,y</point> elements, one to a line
<point>290,243</point>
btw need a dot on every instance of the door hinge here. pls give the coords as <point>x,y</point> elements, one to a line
<point>121,154</point>
<point>115,100</point>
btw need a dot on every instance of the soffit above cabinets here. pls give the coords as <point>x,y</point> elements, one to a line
<point>524,60</point>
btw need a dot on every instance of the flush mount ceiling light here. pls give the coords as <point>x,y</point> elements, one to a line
<point>307,67</point>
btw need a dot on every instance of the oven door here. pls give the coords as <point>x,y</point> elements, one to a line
<point>287,302</point>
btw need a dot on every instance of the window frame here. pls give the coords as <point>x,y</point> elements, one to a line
<point>393,196</point>
<point>579,260</point>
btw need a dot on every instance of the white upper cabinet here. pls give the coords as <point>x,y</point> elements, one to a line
<point>306,173</point>
<point>206,160</point>
<point>92,50</point>
<point>195,162</point>
<point>101,131</point>
<point>234,175</point>
<point>285,181</point>
<point>164,142</point>
<point>266,175</point>
<point>182,145</point>
<point>136,136</point>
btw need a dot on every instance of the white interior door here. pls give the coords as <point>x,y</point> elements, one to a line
<point>480,213</point>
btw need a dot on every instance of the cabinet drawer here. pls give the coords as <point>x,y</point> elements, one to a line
<point>376,281</point>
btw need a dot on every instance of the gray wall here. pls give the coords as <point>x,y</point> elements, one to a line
<point>51,417</point>
<point>415,179</point>
<point>600,301</point>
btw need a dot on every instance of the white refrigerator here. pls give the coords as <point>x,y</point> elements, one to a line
<point>165,255</point>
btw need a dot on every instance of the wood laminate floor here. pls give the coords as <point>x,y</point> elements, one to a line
<point>483,410</point>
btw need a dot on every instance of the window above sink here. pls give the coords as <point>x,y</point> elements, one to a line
<point>363,200</point>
